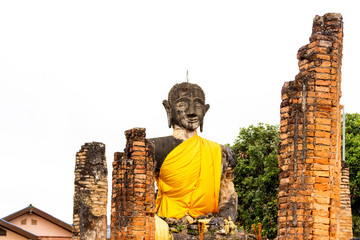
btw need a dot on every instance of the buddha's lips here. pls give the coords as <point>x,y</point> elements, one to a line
<point>192,119</point>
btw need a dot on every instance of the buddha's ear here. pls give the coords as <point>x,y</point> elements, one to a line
<point>206,108</point>
<point>166,105</point>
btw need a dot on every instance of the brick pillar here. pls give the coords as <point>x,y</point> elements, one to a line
<point>117,196</point>
<point>345,214</point>
<point>90,198</point>
<point>310,133</point>
<point>133,194</point>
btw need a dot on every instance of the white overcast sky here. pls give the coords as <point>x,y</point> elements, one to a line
<point>80,71</point>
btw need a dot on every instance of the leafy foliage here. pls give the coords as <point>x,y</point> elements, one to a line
<point>352,157</point>
<point>257,177</point>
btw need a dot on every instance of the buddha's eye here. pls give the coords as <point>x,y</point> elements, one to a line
<point>182,106</point>
<point>198,105</point>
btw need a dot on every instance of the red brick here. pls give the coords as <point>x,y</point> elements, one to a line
<point>135,192</point>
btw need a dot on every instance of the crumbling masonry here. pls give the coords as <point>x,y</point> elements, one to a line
<point>312,204</point>
<point>90,198</point>
<point>314,197</point>
<point>133,194</point>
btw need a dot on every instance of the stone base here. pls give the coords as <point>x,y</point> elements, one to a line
<point>204,227</point>
<point>207,236</point>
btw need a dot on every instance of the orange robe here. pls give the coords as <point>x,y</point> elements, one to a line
<point>189,179</point>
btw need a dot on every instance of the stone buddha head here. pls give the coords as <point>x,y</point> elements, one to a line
<point>186,106</point>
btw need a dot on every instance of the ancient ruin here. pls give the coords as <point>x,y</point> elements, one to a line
<point>133,192</point>
<point>314,197</point>
<point>90,197</point>
<point>310,199</point>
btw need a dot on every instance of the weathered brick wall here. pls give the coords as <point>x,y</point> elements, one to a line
<point>345,214</point>
<point>133,193</point>
<point>117,195</point>
<point>90,197</point>
<point>310,148</point>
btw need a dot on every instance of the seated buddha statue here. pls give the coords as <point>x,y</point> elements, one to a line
<point>194,175</point>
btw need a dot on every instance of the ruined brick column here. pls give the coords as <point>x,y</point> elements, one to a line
<point>133,193</point>
<point>310,133</point>
<point>90,198</point>
<point>345,215</point>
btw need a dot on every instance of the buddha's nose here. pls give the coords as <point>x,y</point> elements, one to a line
<point>191,110</point>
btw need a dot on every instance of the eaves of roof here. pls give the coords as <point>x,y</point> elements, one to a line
<point>33,210</point>
<point>9,226</point>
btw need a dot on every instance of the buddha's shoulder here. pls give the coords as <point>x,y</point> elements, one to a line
<point>167,140</point>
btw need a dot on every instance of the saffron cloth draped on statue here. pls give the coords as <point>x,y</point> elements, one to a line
<point>189,179</point>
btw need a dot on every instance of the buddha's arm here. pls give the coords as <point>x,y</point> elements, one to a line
<point>227,197</point>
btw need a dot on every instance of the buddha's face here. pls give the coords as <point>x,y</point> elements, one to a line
<point>188,108</point>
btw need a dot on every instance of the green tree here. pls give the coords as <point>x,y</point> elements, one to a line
<point>257,177</point>
<point>352,157</point>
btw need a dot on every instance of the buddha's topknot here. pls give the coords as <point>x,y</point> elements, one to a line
<point>185,86</point>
